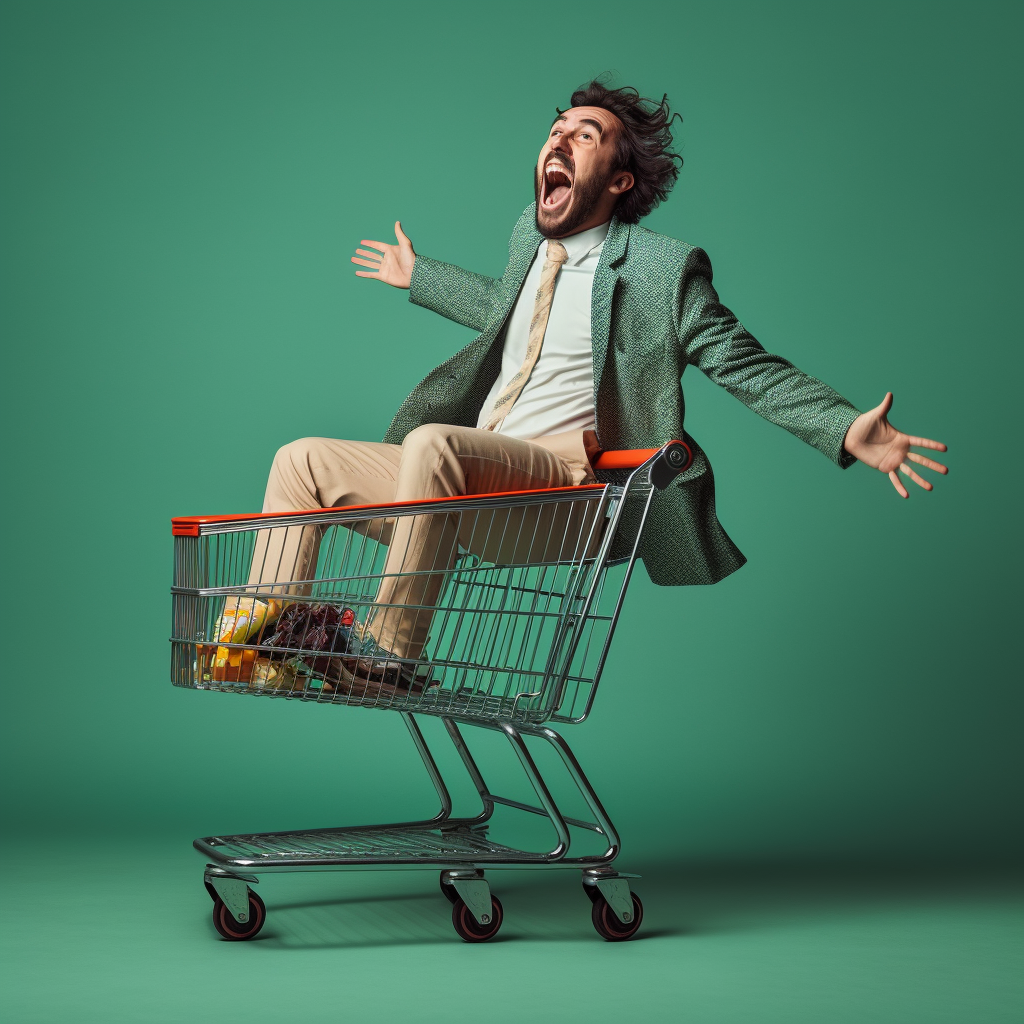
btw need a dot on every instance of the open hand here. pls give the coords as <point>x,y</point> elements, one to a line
<point>876,442</point>
<point>393,264</point>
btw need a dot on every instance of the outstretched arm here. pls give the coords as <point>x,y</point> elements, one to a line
<point>877,443</point>
<point>715,341</point>
<point>456,294</point>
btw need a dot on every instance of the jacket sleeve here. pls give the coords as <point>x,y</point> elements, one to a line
<point>457,294</point>
<point>713,340</point>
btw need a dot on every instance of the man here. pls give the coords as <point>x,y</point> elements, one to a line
<point>584,340</point>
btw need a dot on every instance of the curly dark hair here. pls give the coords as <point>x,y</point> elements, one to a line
<point>643,146</point>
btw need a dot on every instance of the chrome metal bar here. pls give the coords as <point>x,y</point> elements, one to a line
<point>432,770</point>
<point>540,810</point>
<point>583,784</point>
<point>471,766</point>
<point>540,788</point>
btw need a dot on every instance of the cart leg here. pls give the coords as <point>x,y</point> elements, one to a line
<point>583,785</point>
<point>432,770</point>
<point>471,767</point>
<point>548,808</point>
<point>444,815</point>
<point>540,788</point>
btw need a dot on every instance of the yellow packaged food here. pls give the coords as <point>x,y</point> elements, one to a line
<point>275,675</point>
<point>246,619</point>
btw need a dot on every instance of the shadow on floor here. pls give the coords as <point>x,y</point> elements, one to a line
<point>679,900</point>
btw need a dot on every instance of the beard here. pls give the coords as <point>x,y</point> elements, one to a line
<point>586,193</point>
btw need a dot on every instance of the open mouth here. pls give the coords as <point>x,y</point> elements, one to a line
<point>557,185</point>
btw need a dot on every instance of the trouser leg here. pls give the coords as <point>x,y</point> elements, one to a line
<point>434,461</point>
<point>317,472</point>
<point>440,460</point>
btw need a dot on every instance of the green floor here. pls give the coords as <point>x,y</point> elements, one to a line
<point>121,932</point>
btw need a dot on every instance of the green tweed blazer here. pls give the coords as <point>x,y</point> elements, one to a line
<point>654,312</point>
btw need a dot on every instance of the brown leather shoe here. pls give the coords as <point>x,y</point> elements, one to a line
<point>371,678</point>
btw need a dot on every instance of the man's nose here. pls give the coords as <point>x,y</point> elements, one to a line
<point>562,145</point>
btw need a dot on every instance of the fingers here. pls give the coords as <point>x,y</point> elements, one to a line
<point>919,480</point>
<point>927,442</point>
<point>898,484</point>
<point>365,263</point>
<point>927,463</point>
<point>383,246</point>
<point>366,273</point>
<point>369,255</point>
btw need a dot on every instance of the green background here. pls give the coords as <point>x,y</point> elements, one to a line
<point>182,186</point>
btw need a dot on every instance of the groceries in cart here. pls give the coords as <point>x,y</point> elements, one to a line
<point>239,622</point>
<point>276,645</point>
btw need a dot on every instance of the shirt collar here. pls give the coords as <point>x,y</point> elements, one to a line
<point>582,243</point>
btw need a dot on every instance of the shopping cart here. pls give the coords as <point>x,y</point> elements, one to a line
<point>525,601</point>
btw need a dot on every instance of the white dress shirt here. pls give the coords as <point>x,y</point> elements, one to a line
<point>559,395</point>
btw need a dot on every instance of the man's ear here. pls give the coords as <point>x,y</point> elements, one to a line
<point>622,182</point>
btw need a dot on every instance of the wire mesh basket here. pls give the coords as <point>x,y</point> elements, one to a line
<point>519,631</point>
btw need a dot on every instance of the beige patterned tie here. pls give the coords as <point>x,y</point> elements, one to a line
<point>555,257</point>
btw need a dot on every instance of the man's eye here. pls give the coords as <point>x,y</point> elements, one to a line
<point>586,135</point>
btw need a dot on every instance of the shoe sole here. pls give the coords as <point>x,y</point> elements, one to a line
<point>351,684</point>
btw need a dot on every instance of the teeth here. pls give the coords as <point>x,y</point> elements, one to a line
<point>556,178</point>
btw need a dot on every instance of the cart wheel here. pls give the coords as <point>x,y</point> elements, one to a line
<point>237,931</point>
<point>607,923</point>
<point>448,891</point>
<point>468,926</point>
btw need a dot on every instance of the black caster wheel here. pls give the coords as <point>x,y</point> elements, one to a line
<point>607,923</point>
<point>468,926</point>
<point>448,891</point>
<point>238,931</point>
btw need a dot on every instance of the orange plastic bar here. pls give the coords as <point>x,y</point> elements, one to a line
<point>188,526</point>
<point>628,458</point>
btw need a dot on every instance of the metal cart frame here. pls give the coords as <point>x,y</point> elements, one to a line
<point>458,846</point>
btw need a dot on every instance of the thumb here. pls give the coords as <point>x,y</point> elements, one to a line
<point>885,406</point>
<point>400,234</point>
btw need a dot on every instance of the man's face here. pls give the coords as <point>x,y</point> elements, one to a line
<point>575,169</point>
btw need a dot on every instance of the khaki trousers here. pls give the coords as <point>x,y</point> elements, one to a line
<point>435,460</point>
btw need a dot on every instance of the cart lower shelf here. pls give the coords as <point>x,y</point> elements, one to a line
<point>419,843</point>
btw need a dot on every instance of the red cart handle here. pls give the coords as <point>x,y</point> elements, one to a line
<point>677,453</point>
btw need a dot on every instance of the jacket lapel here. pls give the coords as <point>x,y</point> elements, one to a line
<point>522,249</point>
<point>606,278</point>
<point>521,253</point>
